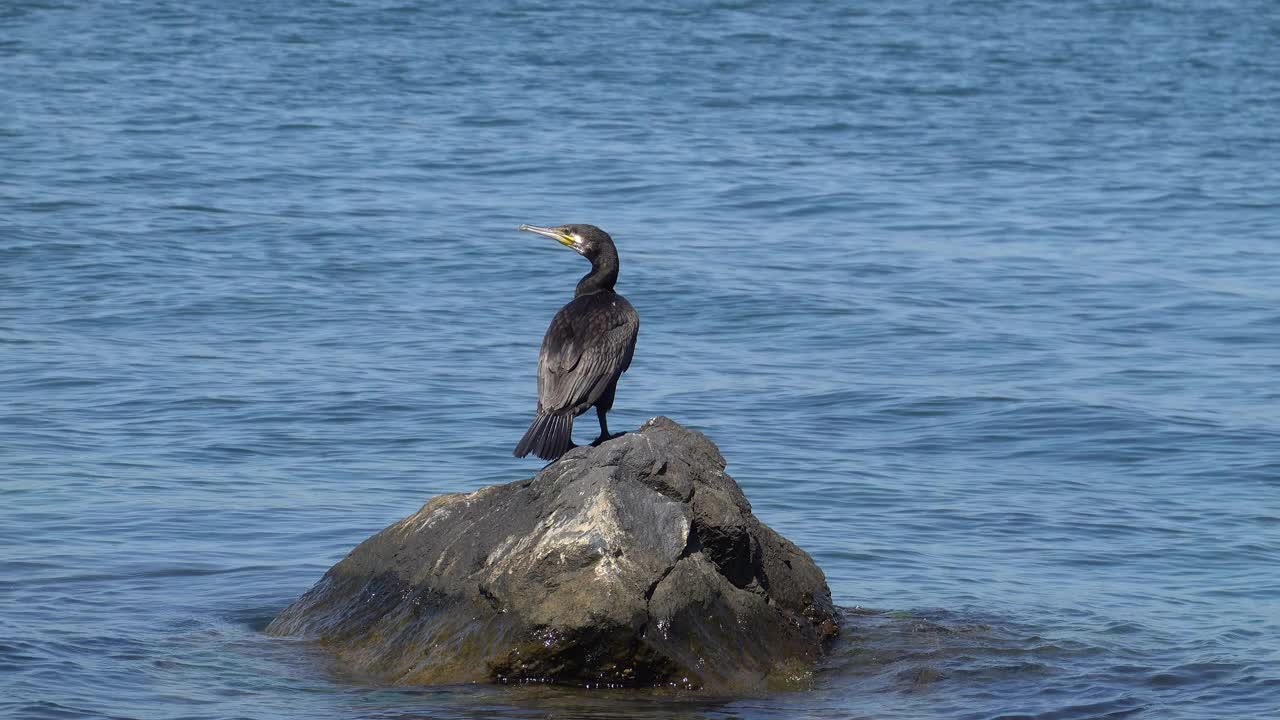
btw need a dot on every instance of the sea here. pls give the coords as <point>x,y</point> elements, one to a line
<point>980,300</point>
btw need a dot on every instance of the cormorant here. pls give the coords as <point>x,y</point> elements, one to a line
<point>587,347</point>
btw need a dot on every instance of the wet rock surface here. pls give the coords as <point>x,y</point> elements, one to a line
<point>636,563</point>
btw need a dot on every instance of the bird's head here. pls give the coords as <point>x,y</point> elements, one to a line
<point>586,240</point>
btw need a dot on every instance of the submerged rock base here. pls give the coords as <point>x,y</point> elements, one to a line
<point>636,563</point>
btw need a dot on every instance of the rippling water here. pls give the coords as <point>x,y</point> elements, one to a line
<point>979,299</point>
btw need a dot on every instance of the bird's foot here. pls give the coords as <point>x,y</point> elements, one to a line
<point>605,438</point>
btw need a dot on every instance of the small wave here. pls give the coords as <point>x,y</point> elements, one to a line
<point>199,208</point>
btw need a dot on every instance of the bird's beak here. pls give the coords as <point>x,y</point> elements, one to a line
<point>553,233</point>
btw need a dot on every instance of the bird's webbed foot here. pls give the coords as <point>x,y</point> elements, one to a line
<point>605,438</point>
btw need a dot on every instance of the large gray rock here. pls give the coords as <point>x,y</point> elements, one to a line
<point>635,563</point>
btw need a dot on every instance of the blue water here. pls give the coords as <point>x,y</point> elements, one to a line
<point>979,299</point>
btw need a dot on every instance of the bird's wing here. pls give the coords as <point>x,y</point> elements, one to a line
<point>589,343</point>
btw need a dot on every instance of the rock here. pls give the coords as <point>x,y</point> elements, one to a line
<point>636,563</point>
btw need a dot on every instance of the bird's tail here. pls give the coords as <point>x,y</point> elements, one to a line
<point>549,436</point>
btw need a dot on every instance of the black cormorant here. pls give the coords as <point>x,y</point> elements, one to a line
<point>586,348</point>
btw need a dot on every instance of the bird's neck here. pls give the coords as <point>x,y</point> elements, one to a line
<point>603,275</point>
